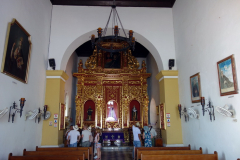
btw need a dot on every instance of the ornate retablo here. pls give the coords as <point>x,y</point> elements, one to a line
<point>103,85</point>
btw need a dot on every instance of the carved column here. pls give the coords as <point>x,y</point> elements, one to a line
<point>125,99</point>
<point>79,101</point>
<point>145,100</point>
<point>99,100</point>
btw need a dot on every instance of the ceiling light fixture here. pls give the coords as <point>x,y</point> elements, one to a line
<point>111,43</point>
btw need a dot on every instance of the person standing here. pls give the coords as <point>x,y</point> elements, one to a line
<point>74,136</point>
<point>66,136</point>
<point>154,135</point>
<point>86,137</point>
<point>98,144</point>
<point>137,140</point>
<point>147,137</point>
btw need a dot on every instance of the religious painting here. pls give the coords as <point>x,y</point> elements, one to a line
<point>112,111</point>
<point>227,76</point>
<point>162,116</point>
<point>62,117</point>
<point>112,60</point>
<point>134,110</point>
<point>89,111</point>
<point>195,88</point>
<point>16,57</point>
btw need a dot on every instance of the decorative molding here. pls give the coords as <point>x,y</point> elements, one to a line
<point>167,77</point>
<point>56,77</point>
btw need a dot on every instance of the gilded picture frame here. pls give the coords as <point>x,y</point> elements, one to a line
<point>17,52</point>
<point>61,116</point>
<point>195,87</point>
<point>227,77</point>
<point>162,116</point>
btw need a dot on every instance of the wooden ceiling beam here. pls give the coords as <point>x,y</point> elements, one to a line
<point>121,3</point>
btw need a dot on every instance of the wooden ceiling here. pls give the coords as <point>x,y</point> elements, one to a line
<point>119,3</point>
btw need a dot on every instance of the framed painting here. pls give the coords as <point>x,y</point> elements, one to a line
<point>227,76</point>
<point>62,116</point>
<point>17,51</point>
<point>162,116</point>
<point>195,88</point>
<point>112,60</point>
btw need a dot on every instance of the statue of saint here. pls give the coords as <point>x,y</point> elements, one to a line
<point>134,113</point>
<point>112,113</point>
<point>89,113</point>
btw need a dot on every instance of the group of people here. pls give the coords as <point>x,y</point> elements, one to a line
<point>75,137</point>
<point>148,136</point>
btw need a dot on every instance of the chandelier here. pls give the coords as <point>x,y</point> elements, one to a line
<point>113,43</point>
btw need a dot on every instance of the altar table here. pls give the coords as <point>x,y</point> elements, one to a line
<point>113,136</point>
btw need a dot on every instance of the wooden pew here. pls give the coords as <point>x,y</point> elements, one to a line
<point>70,157</point>
<point>68,149</point>
<point>159,148</point>
<point>164,152</point>
<point>57,153</point>
<point>182,157</point>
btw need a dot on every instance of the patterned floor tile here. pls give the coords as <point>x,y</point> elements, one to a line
<point>117,155</point>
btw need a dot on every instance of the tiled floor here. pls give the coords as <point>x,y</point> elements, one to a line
<point>116,155</point>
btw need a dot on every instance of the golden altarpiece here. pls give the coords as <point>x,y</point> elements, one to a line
<point>124,84</point>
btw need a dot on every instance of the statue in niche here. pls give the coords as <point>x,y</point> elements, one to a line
<point>134,113</point>
<point>89,113</point>
<point>112,114</point>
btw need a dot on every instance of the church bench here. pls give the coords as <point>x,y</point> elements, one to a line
<point>182,157</point>
<point>68,149</point>
<point>58,157</point>
<point>164,152</point>
<point>159,148</point>
<point>57,153</point>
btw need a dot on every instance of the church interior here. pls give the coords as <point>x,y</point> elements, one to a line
<point>171,64</point>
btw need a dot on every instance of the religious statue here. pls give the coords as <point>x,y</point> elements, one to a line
<point>112,114</point>
<point>89,113</point>
<point>134,113</point>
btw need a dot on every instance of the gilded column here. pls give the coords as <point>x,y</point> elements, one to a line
<point>99,101</point>
<point>145,100</point>
<point>79,101</point>
<point>125,100</point>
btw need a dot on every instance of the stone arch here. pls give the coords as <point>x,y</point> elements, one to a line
<point>85,37</point>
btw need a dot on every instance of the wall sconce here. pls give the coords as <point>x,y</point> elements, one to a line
<point>44,111</point>
<point>17,110</point>
<point>183,112</point>
<point>37,113</point>
<point>209,109</point>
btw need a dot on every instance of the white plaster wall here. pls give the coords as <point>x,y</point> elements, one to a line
<point>35,17</point>
<point>153,88</point>
<point>206,32</point>
<point>73,25</point>
<point>70,85</point>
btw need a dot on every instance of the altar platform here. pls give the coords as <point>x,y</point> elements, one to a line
<point>113,139</point>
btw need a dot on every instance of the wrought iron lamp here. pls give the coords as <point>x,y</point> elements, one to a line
<point>209,109</point>
<point>127,43</point>
<point>183,112</point>
<point>44,111</point>
<point>17,110</point>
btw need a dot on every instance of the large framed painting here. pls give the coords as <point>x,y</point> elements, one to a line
<point>17,51</point>
<point>227,76</point>
<point>195,88</point>
<point>162,116</point>
<point>62,116</point>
